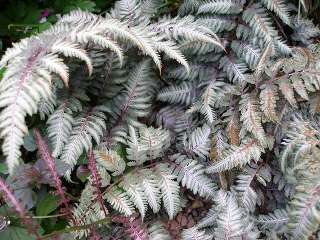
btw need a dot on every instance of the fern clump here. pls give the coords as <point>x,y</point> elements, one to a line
<point>218,104</point>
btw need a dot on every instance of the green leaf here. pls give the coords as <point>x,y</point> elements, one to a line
<point>3,168</point>
<point>16,233</point>
<point>87,5</point>
<point>47,205</point>
<point>2,70</point>
<point>121,151</point>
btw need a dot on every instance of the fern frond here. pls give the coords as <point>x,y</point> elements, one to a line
<point>246,51</point>
<point>150,144</point>
<point>251,117</point>
<point>183,93</point>
<point>195,234</point>
<point>248,196</point>
<point>157,231</point>
<point>69,49</point>
<point>131,185</point>
<point>280,8</point>
<point>88,126</point>
<point>232,223</point>
<point>213,94</point>
<point>221,7</point>
<point>119,201</point>
<point>110,160</point>
<point>304,216</point>
<point>259,21</point>
<point>234,68</point>
<point>274,220</point>
<point>54,64</point>
<point>198,142</point>
<point>149,183</point>
<point>169,190</point>
<point>19,99</point>
<point>46,107</point>
<point>268,100</point>
<point>60,124</point>
<point>287,91</point>
<point>86,211</point>
<point>191,175</point>
<point>189,6</point>
<point>187,29</point>
<point>105,43</point>
<point>135,99</point>
<point>237,156</point>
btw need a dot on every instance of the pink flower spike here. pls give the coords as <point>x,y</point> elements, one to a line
<point>49,160</point>
<point>8,195</point>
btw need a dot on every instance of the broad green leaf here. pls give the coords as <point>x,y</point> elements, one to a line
<point>47,205</point>
<point>3,168</point>
<point>16,233</point>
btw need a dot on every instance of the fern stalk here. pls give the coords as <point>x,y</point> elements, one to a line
<point>96,180</point>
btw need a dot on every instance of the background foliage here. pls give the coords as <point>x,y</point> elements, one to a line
<point>20,19</point>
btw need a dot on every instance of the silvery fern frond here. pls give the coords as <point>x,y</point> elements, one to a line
<point>31,63</point>
<point>268,99</point>
<point>46,107</point>
<point>217,24</point>
<point>19,98</point>
<point>135,99</point>
<point>146,187</point>
<point>303,212</point>
<point>187,29</point>
<point>89,126</point>
<point>191,175</point>
<point>183,93</point>
<point>86,211</point>
<point>248,196</point>
<point>259,21</point>
<point>276,220</point>
<point>189,7</point>
<point>120,201</point>
<point>198,142</point>
<point>212,95</point>
<point>60,124</point>
<point>195,234</point>
<point>169,189</point>
<point>157,231</point>
<point>150,186</point>
<point>251,117</point>
<point>234,68</point>
<point>251,54</point>
<point>110,160</point>
<point>237,156</point>
<point>133,189</point>
<point>232,222</point>
<point>150,144</point>
<point>280,8</point>
<point>221,7</point>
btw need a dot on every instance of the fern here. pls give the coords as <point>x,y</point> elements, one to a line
<point>198,142</point>
<point>88,126</point>
<point>220,7</point>
<point>206,112</point>
<point>237,156</point>
<point>151,144</point>
<point>192,176</point>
